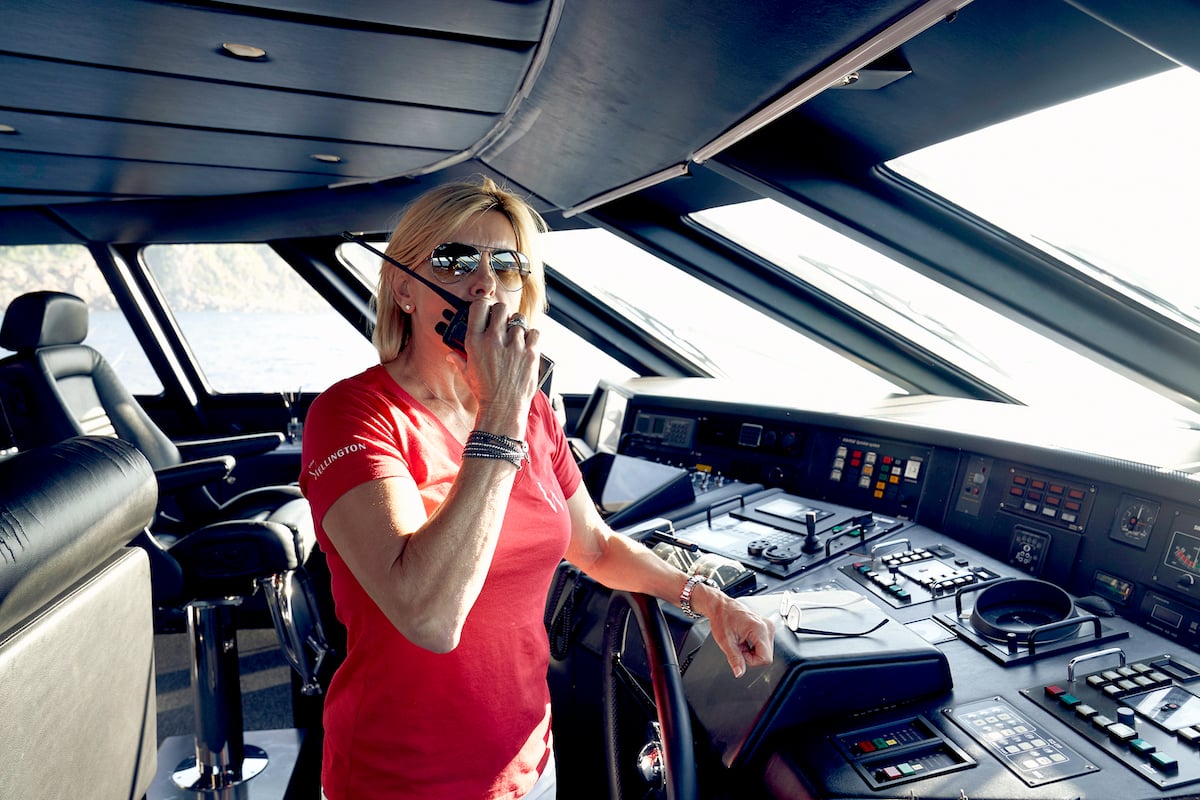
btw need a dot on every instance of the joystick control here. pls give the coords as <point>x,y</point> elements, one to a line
<point>811,544</point>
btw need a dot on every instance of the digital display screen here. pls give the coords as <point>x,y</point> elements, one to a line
<point>612,419</point>
<point>1112,587</point>
<point>1171,708</point>
<point>671,431</point>
<point>1166,615</point>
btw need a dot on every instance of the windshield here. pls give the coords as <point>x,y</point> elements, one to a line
<point>718,333</point>
<point>1116,175</point>
<point>1018,361</point>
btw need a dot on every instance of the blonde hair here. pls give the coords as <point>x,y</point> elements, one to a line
<point>434,218</point>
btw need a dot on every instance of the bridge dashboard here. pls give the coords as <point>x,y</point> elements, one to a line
<point>944,515</point>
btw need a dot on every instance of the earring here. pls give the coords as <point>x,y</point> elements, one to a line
<point>408,308</point>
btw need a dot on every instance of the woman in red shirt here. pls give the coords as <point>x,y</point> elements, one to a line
<point>445,496</point>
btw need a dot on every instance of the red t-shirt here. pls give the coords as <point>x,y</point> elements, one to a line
<point>401,721</point>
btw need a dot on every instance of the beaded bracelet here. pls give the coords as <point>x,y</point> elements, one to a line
<point>483,444</point>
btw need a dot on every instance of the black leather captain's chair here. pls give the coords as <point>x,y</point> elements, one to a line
<point>55,387</point>
<point>77,684</point>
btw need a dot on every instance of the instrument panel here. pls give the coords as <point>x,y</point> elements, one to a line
<point>1183,553</point>
<point>929,522</point>
<point>1092,522</point>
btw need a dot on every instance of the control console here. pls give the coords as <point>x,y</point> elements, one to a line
<point>780,534</point>
<point>1144,714</point>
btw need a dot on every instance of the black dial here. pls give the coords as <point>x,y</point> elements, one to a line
<point>1135,519</point>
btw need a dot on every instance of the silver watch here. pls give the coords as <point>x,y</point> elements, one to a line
<point>685,597</point>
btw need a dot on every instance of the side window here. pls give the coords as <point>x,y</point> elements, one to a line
<point>71,268</point>
<point>252,323</point>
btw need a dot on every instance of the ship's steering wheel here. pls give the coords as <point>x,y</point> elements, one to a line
<point>667,761</point>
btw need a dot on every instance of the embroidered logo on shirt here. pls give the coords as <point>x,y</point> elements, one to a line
<point>315,472</point>
<point>551,500</point>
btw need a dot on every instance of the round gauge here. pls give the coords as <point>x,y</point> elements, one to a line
<point>1135,519</point>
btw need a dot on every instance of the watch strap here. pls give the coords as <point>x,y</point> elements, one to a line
<point>685,596</point>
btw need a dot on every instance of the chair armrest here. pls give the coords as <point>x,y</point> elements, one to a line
<point>192,474</point>
<point>226,558</point>
<point>241,446</point>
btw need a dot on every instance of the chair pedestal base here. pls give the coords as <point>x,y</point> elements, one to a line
<point>272,783</point>
<point>195,777</point>
<point>221,761</point>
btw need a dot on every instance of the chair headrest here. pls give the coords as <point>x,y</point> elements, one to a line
<point>42,319</point>
<point>65,509</point>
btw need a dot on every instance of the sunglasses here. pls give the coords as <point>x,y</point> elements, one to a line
<point>792,604</point>
<point>453,261</point>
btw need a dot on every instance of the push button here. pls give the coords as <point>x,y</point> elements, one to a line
<point>1189,735</point>
<point>1141,747</point>
<point>1069,700</point>
<point>1121,732</point>
<point>1164,762</point>
<point>888,774</point>
<point>897,771</point>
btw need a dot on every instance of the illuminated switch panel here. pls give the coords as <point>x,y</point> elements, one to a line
<point>878,474</point>
<point>1048,499</point>
<point>901,752</point>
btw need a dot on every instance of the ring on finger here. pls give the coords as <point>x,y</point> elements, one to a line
<point>517,321</point>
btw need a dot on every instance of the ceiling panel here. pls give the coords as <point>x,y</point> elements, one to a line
<point>109,94</point>
<point>390,88</point>
<point>108,139</point>
<point>103,176</point>
<point>185,41</point>
<point>518,20</point>
<point>686,74</point>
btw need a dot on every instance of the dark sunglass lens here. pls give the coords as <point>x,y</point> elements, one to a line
<point>510,267</point>
<point>451,261</point>
<point>455,250</point>
<point>505,259</point>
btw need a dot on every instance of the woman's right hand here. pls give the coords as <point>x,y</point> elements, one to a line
<point>501,365</point>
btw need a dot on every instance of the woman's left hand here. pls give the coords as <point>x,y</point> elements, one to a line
<point>746,638</point>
